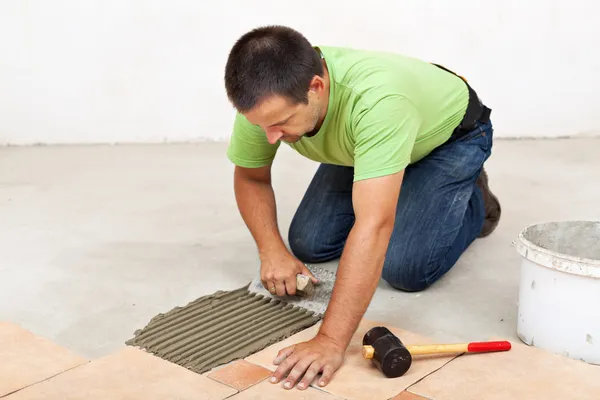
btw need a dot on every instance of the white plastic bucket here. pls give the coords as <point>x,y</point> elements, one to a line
<point>559,294</point>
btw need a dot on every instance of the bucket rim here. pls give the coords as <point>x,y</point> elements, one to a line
<point>554,260</point>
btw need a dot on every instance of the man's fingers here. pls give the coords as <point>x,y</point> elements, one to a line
<point>306,271</point>
<point>283,354</point>
<point>284,368</point>
<point>327,375</point>
<point>310,374</point>
<point>290,285</point>
<point>270,286</point>
<point>298,371</point>
<point>264,280</point>
<point>280,287</point>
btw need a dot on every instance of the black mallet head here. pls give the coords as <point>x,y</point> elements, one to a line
<point>386,351</point>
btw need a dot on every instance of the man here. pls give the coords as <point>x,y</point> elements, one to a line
<point>400,192</point>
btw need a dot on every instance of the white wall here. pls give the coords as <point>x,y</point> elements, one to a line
<point>149,70</point>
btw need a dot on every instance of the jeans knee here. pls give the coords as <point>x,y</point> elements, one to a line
<point>407,276</point>
<point>301,247</point>
<point>407,285</point>
<point>310,246</point>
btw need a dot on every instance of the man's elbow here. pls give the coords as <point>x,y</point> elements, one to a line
<point>260,174</point>
<point>380,226</point>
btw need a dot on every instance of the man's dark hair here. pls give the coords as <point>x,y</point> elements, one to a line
<point>271,60</point>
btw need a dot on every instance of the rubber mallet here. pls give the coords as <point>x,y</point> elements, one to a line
<point>393,358</point>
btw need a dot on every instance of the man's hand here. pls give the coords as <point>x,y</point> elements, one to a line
<point>302,362</point>
<point>278,272</point>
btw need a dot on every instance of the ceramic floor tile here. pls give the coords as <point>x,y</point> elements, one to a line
<point>26,358</point>
<point>522,373</point>
<point>269,391</point>
<point>128,374</point>
<point>409,396</point>
<point>372,383</point>
<point>240,374</point>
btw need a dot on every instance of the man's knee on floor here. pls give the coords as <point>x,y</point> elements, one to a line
<point>302,248</point>
<point>407,277</point>
<point>299,241</point>
<point>303,244</point>
<point>309,247</point>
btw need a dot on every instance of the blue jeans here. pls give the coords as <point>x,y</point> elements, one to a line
<point>440,212</point>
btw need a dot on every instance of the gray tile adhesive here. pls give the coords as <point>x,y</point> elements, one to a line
<point>219,328</point>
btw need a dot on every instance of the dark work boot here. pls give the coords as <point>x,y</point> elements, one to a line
<point>492,205</point>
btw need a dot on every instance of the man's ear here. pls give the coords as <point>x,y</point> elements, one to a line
<point>317,84</point>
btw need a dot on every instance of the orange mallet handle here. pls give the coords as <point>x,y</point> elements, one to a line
<point>473,347</point>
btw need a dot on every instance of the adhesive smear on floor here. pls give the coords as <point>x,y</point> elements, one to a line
<point>219,328</point>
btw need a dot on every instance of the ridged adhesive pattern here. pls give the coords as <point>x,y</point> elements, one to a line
<point>222,327</point>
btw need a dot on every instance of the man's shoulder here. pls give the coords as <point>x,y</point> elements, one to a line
<point>357,53</point>
<point>373,75</point>
<point>351,63</point>
<point>369,70</point>
<point>366,79</point>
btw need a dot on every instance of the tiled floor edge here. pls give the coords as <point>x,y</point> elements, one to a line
<point>44,380</point>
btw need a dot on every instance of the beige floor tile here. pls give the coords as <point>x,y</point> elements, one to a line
<point>269,391</point>
<point>240,374</point>
<point>129,374</point>
<point>26,358</point>
<point>522,373</point>
<point>358,378</point>
<point>405,395</point>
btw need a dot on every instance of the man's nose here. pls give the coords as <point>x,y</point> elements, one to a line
<point>273,135</point>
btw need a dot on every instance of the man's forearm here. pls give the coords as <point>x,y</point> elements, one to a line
<point>256,203</point>
<point>357,278</point>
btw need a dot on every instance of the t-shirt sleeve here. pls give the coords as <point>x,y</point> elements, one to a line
<point>248,145</point>
<point>384,137</point>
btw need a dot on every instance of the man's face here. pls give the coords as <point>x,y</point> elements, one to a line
<point>283,120</point>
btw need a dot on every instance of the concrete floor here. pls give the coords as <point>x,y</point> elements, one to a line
<point>96,240</point>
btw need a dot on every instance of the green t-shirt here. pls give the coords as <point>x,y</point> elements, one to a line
<point>385,112</point>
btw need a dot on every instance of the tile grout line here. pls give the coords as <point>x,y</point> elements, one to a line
<point>228,385</point>
<point>431,373</point>
<point>326,392</point>
<point>44,380</point>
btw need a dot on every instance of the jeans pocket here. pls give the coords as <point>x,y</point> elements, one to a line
<point>480,136</point>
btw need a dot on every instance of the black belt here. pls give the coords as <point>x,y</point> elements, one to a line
<point>476,111</point>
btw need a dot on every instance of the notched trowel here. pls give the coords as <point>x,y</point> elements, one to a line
<point>313,297</point>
